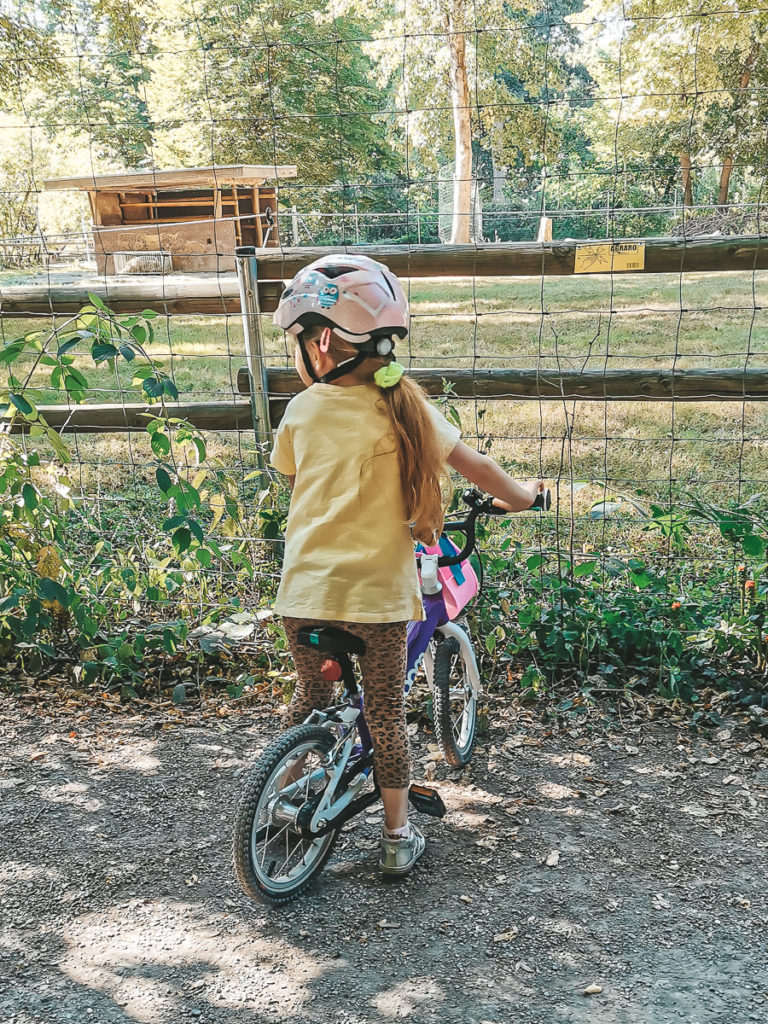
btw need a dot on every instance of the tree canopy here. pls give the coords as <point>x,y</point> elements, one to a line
<point>576,103</point>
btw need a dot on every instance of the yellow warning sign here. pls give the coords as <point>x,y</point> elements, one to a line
<point>607,257</point>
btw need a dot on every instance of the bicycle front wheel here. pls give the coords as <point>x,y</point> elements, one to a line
<point>274,860</point>
<point>454,704</point>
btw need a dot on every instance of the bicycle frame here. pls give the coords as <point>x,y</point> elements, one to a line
<point>349,717</point>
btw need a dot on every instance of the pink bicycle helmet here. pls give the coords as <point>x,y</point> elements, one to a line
<point>358,298</point>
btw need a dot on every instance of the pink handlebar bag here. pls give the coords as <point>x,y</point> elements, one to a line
<point>460,583</point>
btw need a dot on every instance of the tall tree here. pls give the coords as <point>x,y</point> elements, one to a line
<point>269,82</point>
<point>29,55</point>
<point>104,96</point>
<point>673,77</point>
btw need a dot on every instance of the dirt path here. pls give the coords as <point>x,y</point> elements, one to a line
<point>117,902</point>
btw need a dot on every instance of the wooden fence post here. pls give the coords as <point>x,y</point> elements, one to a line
<point>247,278</point>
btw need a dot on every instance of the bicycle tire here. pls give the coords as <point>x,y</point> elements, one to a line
<point>455,715</point>
<point>254,878</point>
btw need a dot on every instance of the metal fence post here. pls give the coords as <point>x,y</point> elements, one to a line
<point>247,279</point>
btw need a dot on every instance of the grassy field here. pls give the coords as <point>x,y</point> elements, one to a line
<point>664,321</point>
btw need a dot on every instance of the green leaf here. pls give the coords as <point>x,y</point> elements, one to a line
<point>534,562</point>
<point>7,604</point>
<point>89,319</point>
<point>68,345</point>
<point>127,353</point>
<point>164,481</point>
<point>29,494</point>
<point>50,590</point>
<point>149,314</point>
<point>77,377</point>
<point>25,408</point>
<point>196,529</point>
<point>96,301</point>
<point>153,387</point>
<point>170,388</point>
<point>753,545</point>
<point>139,334</point>
<point>161,445</point>
<point>142,373</point>
<point>199,443</point>
<point>11,352</point>
<point>584,569</point>
<point>181,538</point>
<point>173,522</point>
<point>59,446</point>
<point>102,352</point>
<point>204,557</point>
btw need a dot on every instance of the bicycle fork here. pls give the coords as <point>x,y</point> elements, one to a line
<point>420,634</point>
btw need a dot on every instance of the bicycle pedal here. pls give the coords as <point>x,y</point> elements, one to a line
<point>427,801</point>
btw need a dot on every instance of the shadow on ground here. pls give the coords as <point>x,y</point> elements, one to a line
<point>634,863</point>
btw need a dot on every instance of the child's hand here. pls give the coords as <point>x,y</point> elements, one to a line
<point>533,487</point>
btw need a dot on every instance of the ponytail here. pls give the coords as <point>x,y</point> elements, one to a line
<point>422,471</point>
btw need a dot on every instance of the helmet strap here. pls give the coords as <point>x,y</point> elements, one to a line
<point>307,361</point>
<point>343,368</point>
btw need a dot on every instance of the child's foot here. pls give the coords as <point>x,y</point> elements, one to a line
<point>400,853</point>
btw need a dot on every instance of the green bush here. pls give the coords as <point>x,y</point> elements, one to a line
<point>104,605</point>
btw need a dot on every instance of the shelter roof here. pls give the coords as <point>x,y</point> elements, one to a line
<point>181,178</point>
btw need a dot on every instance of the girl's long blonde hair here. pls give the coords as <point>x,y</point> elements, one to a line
<point>423,476</point>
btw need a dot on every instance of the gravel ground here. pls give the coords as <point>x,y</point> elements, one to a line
<point>631,863</point>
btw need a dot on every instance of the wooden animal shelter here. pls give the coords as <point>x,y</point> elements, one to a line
<point>187,220</point>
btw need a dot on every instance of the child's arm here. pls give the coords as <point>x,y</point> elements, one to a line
<point>490,477</point>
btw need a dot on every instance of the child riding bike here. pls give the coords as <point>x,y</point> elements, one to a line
<point>366,456</point>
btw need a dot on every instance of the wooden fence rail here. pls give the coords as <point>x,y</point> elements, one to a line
<point>531,259</point>
<point>611,385</point>
<point>188,294</point>
<point>234,414</point>
<point>530,385</point>
<point>171,296</point>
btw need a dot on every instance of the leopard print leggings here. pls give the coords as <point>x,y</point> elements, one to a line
<point>383,669</point>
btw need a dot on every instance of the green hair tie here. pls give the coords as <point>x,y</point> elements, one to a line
<point>387,376</point>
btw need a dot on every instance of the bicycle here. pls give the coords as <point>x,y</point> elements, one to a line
<point>318,775</point>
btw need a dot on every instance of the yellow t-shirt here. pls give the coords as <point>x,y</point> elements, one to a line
<point>348,550</point>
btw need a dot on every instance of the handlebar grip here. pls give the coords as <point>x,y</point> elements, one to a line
<point>543,500</point>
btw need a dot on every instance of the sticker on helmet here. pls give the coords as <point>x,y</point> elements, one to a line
<point>328,295</point>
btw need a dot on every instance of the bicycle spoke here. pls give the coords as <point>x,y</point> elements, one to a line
<point>284,850</point>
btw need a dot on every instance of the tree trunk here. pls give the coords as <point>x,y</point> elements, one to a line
<point>462,133</point>
<point>685,163</point>
<point>499,172</point>
<point>725,181</point>
<point>744,79</point>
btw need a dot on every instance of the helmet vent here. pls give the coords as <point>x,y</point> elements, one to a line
<point>336,271</point>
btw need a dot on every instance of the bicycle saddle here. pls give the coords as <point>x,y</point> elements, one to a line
<point>331,639</point>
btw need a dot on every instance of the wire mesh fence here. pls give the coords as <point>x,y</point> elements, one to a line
<point>423,127</point>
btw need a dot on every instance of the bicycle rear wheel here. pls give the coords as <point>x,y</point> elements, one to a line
<point>274,860</point>
<point>454,704</point>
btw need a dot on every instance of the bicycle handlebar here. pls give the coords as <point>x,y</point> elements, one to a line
<point>483,504</point>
